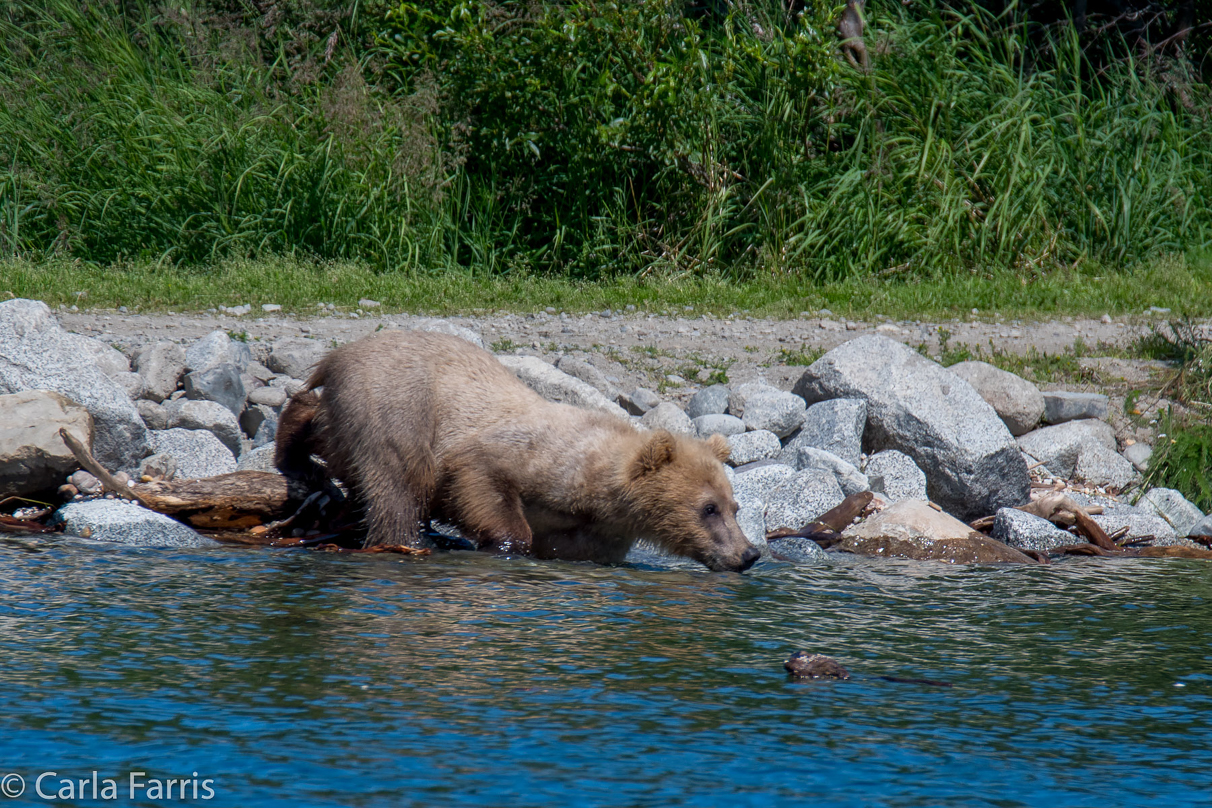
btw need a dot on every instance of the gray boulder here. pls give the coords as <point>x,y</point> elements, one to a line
<point>1017,401</point>
<point>219,383</point>
<point>1027,531</point>
<point>1170,505</point>
<point>639,401</point>
<point>755,485</point>
<point>1138,455</point>
<point>802,498</point>
<point>777,412</point>
<point>896,476</point>
<point>668,415</point>
<point>716,424</point>
<point>36,354</point>
<point>208,415</point>
<point>797,550</point>
<point>1058,447</point>
<point>434,325</point>
<point>259,459</point>
<point>738,396</point>
<point>850,479</point>
<point>154,415</point>
<point>751,518</point>
<point>122,522</point>
<point>161,365</point>
<point>1139,524</point>
<point>1062,407</point>
<point>555,385</point>
<point>268,397</point>
<point>33,457</point>
<point>751,446</point>
<point>109,359</point>
<point>296,357</point>
<point>835,426</point>
<point>580,369</point>
<point>131,384</point>
<point>217,348</point>
<point>197,452</point>
<point>1098,465</point>
<point>711,400</point>
<point>973,466</point>
<point>1202,528</point>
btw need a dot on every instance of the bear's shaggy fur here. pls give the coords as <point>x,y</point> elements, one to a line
<point>422,425</point>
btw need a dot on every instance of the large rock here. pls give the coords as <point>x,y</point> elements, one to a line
<point>639,401</point>
<point>161,365</point>
<point>751,519</point>
<point>1026,531</point>
<point>912,529</point>
<point>668,416</point>
<point>777,412</point>
<point>109,359</point>
<point>436,326</point>
<point>801,498</point>
<point>1098,465</point>
<point>555,385</point>
<point>752,446</point>
<point>711,400</point>
<point>123,522</point>
<point>708,425</point>
<point>756,484</point>
<point>972,464</point>
<point>896,476</point>
<point>850,479</point>
<point>1017,401</point>
<point>36,354</point>
<point>1202,528</point>
<point>259,459</point>
<point>580,369</point>
<point>1062,407</point>
<point>208,415</point>
<point>1139,523</point>
<point>217,348</point>
<point>198,452</point>
<point>1058,447</point>
<point>835,426</point>
<point>219,383</point>
<point>32,455</point>
<point>738,396</point>
<point>131,384</point>
<point>1167,503</point>
<point>296,357</point>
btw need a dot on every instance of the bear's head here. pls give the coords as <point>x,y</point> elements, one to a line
<point>684,502</point>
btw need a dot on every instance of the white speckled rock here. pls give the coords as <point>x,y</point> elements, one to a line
<point>1139,523</point>
<point>751,446</point>
<point>707,425</point>
<point>802,498</point>
<point>835,426</point>
<point>1017,401</point>
<point>208,415</point>
<point>972,464</point>
<point>751,518</point>
<point>669,416</point>
<point>1202,528</point>
<point>36,354</point>
<point>777,412</point>
<point>580,369</point>
<point>215,349</point>
<point>259,459</point>
<point>437,326</point>
<point>1098,465</point>
<point>1027,531</point>
<point>108,358</point>
<point>198,452</point>
<point>711,400</point>
<point>555,385</point>
<point>122,522</point>
<point>896,476</point>
<point>161,365</point>
<point>1058,447</point>
<point>1172,506</point>
<point>851,480</point>
<point>1062,407</point>
<point>756,484</point>
<point>738,396</point>
<point>797,550</point>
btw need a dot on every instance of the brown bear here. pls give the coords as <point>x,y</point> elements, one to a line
<point>421,425</point>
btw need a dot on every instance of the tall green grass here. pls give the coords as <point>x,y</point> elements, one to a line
<point>587,141</point>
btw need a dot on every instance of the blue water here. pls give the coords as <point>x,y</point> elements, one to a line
<point>305,679</point>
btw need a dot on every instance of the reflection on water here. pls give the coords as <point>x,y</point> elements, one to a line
<point>307,679</point>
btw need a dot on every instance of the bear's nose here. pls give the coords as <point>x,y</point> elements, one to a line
<point>749,557</point>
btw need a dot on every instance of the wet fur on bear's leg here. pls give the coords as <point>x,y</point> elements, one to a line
<point>298,438</point>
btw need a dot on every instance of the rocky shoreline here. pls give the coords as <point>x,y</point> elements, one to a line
<point>162,397</point>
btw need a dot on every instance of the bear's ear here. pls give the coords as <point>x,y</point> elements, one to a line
<point>656,453</point>
<point>719,447</point>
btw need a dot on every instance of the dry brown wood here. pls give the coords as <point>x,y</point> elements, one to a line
<point>1087,527</point>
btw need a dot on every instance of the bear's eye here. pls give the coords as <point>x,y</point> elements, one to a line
<point>710,509</point>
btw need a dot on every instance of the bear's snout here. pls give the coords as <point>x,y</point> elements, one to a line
<point>749,558</point>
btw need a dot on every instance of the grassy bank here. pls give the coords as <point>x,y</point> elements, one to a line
<point>1180,283</point>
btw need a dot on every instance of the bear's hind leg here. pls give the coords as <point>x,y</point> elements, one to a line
<point>488,511</point>
<point>397,504</point>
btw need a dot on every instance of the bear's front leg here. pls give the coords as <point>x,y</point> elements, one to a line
<point>488,511</point>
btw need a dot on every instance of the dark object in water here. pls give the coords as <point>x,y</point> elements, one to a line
<point>826,530</point>
<point>928,682</point>
<point>803,665</point>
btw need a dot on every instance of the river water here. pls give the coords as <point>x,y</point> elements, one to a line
<point>306,679</point>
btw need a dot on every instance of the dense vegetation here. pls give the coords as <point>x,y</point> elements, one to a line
<point>589,139</point>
